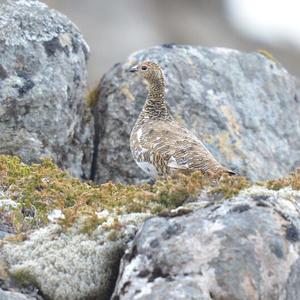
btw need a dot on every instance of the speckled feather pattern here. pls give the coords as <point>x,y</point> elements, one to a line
<point>161,146</point>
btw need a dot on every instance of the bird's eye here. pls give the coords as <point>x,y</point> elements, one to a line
<point>144,68</point>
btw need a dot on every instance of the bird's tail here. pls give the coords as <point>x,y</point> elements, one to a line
<point>231,173</point>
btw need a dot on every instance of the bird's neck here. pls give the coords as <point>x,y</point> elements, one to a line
<point>155,106</point>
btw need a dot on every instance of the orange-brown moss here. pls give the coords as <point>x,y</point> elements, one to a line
<point>41,188</point>
<point>229,186</point>
<point>293,180</point>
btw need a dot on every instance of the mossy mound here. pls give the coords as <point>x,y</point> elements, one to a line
<point>42,188</point>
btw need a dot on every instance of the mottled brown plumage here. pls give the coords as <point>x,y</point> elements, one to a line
<point>159,145</point>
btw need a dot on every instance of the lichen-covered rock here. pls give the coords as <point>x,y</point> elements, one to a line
<point>244,107</point>
<point>43,75</point>
<point>71,264</point>
<point>245,248</point>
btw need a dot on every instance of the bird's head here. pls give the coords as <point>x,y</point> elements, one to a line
<point>149,71</point>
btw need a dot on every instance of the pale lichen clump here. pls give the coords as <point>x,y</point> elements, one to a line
<point>66,265</point>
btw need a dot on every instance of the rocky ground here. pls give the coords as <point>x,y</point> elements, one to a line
<point>117,236</point>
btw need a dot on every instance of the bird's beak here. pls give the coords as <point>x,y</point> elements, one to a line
<point>133,69</point>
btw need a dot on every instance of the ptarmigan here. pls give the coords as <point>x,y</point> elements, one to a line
<point>160,145</point>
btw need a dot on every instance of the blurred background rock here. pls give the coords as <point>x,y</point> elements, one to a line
<point>114,29</point>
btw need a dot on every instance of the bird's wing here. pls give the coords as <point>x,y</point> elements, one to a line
<point>175,148</point>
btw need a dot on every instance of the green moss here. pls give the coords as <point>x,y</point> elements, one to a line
<point>24,278</point>
<point>229,186</point>
<point>41,188</point>
<point>92,97</point>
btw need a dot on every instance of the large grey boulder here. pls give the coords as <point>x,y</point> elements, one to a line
<point>244,106</point>
<point>43,75</point>
<point>246,248</point>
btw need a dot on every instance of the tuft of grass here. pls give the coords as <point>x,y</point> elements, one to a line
<point>293,180</point>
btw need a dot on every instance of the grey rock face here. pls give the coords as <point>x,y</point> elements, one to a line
<point>42,83</point>
<point>245,248</point>
<point>6,295</point>
<point>243,106</point>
